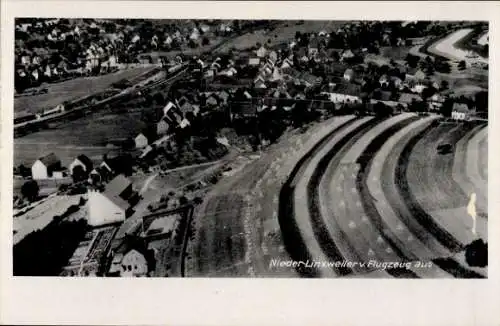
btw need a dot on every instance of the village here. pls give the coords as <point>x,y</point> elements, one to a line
<point>128,212</point>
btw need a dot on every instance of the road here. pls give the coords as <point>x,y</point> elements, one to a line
<point>446,47</point>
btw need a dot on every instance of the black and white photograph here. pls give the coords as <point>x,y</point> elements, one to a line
<point>240,148</point>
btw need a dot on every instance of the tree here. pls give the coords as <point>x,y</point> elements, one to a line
<point>23,171</point>
<point>30,190</point>
<point>481,101</point>
<point>192,44</point>
<point>462,65</point>
<point>412,60</point>
<point>476,253</point>
<point>447,107</point>
<point>382,110</point>
<point>444,85</point>
<point>205,41</point>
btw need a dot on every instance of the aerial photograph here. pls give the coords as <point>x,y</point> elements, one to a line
<point>250,148</point>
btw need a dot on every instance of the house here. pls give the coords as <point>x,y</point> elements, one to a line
<point>134,263</point>
<point>247,110</point>
<point>348,54</point>
<point>204,28</point>
<point>187,107</point>
<point>261,52</point>
<point>184,123</point>
<point>340,98</point>
<point>259,82</point>
<point>287,63</point>
<point>44,167</point>
<point>231,72</point>
<point>418,88</point>
<point>383,81</point>
<point>309,80</point>
<point>408,98</point>
<point>99,174</point>
<point>349,74</point>
<point>212,100</point>
<point>414,74</point>
<point>436,102</point>
<point>253,61</point>
<point>162,127</point>
<point>83,161</point>
<point>210,73</point>
<point>276,76</point>
<point>273,56</point>
<point>141,141</point>
<point>132,258</point>
<point>313,47</point>
<point>224,96</point>
<point>170,106</point>
<point>460,111</point>
<point>111,205</point>
<point>397,82</point>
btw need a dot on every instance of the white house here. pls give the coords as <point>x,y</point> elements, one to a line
<point>141,141</point>
<point>167,108</point>
<point>261,52</point>
<point>44,167</point>
<point>254,61</point>
<point>460,112</point>
<point>343,98</point>
<point>134,264</point>
<point>287,63</point>
<point>273,56</point>
<point>349,74</point>
<point>347,55</point>
<point>418,88</point>
<point>109,206</point>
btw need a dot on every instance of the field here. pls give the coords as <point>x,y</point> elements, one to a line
<point>87,135</point>
<point>283,33</point>
<point>70,90</point>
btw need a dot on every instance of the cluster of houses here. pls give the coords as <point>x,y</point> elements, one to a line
<point>105,206</point>
<point>101,50</point>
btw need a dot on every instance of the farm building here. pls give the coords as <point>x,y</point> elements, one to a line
<point>83,161</point>
<point>109,206</point>
<point>460,111</point>
<point>44,167</point>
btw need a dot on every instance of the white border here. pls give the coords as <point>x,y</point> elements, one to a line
<point>245,301</point>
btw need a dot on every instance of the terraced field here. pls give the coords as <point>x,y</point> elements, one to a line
<point>366,194</point>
